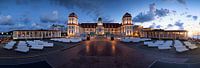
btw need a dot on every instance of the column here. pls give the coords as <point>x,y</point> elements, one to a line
<point>32,34</point>
<point>176,35</point>
<point>51,34</point>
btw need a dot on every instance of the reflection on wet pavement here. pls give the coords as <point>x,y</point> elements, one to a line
<point>100,48</point>
<point>99,53</point>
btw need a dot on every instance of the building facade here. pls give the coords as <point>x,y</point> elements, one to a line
<point>125,28</point>
<point>61,28</point>
<point>36,34</point>
<point>100,28</point>
<point>5,37</point>
<point>164,34</point>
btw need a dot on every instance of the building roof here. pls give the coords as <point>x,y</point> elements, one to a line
<point>99,19</point>
<point>175,30</point>
<point>111,25</point>
<point>94,25</point>
<point>162,30</point>
<point>127,15</point>
<point>88,25</point>
<point>73,15</point>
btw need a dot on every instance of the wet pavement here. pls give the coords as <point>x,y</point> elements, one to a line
<point>99,53</point>
<point>100,48</point>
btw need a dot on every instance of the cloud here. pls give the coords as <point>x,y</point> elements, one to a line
<point>169,25</point>
<point>149,16</point>
<point>24,22</point>
<point>153,25</point>
<point>107,20</point>
<point>162,12</point>
<point>7,23</point>
<point>158,26</point>
<point>195,17</point>
<point>179,24</point>
<point>181,1</point>
<point>28,26</point>
<point>6,20</point>
<point>142,17</point>
<point>192,16</point>
<point>188,16</point>
<point>25,19</point>
<point>90,7</point>
<point>51,17</point>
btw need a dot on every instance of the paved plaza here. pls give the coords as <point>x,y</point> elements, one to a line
<point>100,52</point>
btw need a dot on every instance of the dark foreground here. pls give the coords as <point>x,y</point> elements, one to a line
<point>103,53</point>
<point>41,64</point>
<point>99,54</point>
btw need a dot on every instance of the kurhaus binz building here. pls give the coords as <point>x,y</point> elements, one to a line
<point>125,28</point>
<point>100,28</point>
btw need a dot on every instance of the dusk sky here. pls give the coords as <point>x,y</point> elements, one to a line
<point>41,14</point>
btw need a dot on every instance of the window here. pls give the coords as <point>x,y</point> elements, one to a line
<point>90,29</point>
<point>31,34</point>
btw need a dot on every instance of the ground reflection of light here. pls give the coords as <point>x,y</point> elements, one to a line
<point>113,43</point>
<point>100,49</point>
<point>87,46</point>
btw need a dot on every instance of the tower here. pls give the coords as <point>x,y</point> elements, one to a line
<point>72,24</point>
<point>100,28</point>
<point>99,22</point>
<point>127,25</point>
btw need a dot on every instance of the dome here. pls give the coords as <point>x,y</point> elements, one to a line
<point>99,19</point>
<point>127,15</point>
<point>73,15</point>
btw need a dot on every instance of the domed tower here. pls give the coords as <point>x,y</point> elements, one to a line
<point>99,28</point>
<point>127,19</point>
<point>127,25</point>
<point>100,22</point>
<point>72,18</point>
<point>72,24</point>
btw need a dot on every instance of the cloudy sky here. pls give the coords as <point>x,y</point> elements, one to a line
<point>37,14</point>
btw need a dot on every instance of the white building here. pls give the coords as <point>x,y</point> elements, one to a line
<point>36,34</point>
<point>100,27</point>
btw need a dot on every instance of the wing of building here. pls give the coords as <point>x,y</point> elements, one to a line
<point>36,34</point>
<point>164,34</point>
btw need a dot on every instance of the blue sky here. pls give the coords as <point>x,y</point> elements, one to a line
<point>37,14</point>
